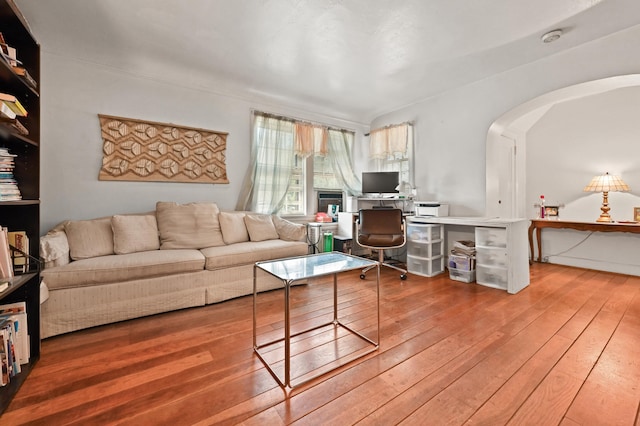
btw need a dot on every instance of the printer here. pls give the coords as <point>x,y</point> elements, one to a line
<point>430,208</point>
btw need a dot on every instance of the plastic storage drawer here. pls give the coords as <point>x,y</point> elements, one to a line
<point>425,266</point>
<point>422,249</point>
<point>423,232</point>
<point>492,276</point>
<point>492,256</point>
<point>460,275</point>
<point>491,237</point>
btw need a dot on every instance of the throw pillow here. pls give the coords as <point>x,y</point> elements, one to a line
<point>89,238</point>
<point>233,228</point>
<point>260,227</point>
<point>193,225</point>
<point>290,231</point>
<point>132,234</point>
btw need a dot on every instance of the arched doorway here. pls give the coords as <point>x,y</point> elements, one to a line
<point>506,144</point>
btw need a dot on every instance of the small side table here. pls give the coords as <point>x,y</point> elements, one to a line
<point>295,269</point>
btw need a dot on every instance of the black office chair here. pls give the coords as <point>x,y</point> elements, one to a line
<point>381,229</point>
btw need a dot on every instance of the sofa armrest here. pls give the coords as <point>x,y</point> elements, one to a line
<point>54,249</point>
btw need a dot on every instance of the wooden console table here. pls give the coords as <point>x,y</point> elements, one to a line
<point>538,224</point>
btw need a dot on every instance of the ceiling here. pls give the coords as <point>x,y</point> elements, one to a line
<point>349,59</point>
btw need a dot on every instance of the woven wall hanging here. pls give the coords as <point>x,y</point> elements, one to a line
<point>136,150</point>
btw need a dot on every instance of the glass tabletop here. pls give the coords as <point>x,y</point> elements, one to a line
<point>314,265</point>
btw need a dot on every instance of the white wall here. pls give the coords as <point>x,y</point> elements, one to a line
<point>74,92</point>
<point>451,128</point>
<point>571,143</point>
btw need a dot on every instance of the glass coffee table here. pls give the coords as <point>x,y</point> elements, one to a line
<point>299,269</point>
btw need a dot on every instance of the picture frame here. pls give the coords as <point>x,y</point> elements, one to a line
<point>636,214</point>
<point>551,212</point>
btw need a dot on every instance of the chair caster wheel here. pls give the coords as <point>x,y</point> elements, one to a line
<point>363,276</point>
<point>403,277</point>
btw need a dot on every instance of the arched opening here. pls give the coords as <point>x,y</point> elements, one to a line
<point>506,172</point>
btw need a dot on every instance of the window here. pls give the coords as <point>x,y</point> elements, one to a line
<point>392,149</point>
<point>291,161</point>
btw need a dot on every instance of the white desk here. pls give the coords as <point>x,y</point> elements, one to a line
<point>502,253</point>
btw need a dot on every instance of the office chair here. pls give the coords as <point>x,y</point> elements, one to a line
<point>381,229</point>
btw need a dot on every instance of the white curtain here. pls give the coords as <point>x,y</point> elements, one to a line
<point>272,162</point>
<point>339,152</point>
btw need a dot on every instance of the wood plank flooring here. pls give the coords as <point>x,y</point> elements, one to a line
<point>564,351</point>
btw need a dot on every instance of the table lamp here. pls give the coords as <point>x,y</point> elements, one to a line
<point>606,183</point>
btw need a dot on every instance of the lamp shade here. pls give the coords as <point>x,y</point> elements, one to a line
<point>606,183</point>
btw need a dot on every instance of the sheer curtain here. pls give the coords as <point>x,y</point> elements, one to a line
<point>339,151</point>
<point>279,147</point>
<point>272,162</point>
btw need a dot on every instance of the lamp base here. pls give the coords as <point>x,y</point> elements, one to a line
<point>604,216</point>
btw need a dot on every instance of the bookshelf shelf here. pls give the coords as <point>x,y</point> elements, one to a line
<point>22,215</point>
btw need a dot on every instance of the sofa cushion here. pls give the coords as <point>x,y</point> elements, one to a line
<point>123,267</point>
<point>233,227</point>
<point>289,231</point>
<point>132,234</point>
<point>89,238</point>
<point>260,227</point>
<point>193,225</point>
<point>54,249</point>
<point>251,252</point>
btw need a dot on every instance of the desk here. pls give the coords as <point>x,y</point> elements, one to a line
<point>302,268</point>
<point>538,224</point>
<point>502,259</point>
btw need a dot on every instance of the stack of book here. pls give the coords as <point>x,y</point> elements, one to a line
<point>10,109</point>
<point>10,56</point>
<point>14,340</point>
<point>9,190</point>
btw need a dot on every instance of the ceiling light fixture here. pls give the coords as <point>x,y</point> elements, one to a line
<point>551,36</point>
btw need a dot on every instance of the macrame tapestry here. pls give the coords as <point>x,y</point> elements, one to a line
<point>135,150</point>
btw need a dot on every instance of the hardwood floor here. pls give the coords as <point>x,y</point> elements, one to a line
<point>563,351</point>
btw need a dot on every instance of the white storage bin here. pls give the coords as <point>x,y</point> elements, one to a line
<point>491,276</point>
<point>423,249</point>
<point>491,237</point>
<point>425,266</point>
<point>460,275</point>
<point>492,256</point>
<point>424,232</point>
<point>462,262</point>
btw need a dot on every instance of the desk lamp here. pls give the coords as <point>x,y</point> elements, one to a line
<point>606,183</point>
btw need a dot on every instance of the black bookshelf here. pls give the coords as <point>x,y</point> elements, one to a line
<point>22,215</point>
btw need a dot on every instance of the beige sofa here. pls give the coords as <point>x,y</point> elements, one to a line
<point>126,266</point>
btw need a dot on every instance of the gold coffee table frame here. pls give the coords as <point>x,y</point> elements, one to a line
<point>302,268</point>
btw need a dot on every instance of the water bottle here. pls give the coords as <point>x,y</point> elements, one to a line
<point>542,210</point>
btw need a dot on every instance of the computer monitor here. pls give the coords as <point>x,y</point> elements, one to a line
<point>380,182</point>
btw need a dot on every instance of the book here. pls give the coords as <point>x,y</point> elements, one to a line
<point>13,103</point>
<point>19,127</point>
<point>4,358</point>
<point>6,267</point>
<point>19,241</point>
<point>7,112</point>
<point>16,313</point>
<point>12,349</point>
<point>22,72</point>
